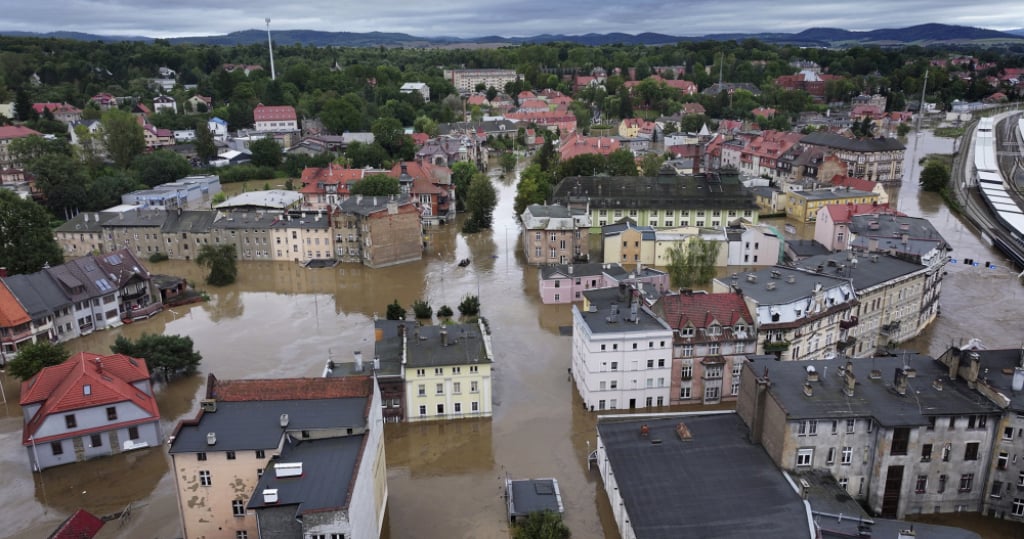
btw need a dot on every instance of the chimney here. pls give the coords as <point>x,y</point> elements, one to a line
<point>808,389</point>
<point>3,272</point>
<point>211,438</point>
<point>359,360</point>
<point>900,381</point>
<point>376,363</point>
<point>284,421</point>
<point>757,414</point>
<point>812,374</point>
<point>973,367</point>
<point>954,363</point>
<point>444,337</point>
<point>849,380</point>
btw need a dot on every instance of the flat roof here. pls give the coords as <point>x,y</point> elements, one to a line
<point>602,320</point>
<point>864,271</point>
<point>716,484</point>
<point>533,495</point>
<point>328,467</point>
<point>464,346</point>
<point>783,291</point>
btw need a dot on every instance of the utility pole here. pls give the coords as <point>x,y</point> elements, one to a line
<point>270,45</point>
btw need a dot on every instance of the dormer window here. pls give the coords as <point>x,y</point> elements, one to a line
<point>714,330</point>
<point>686,331</point>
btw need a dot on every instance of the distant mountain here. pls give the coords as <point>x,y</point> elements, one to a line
<point>816,37</point>
<point>1018,32</point>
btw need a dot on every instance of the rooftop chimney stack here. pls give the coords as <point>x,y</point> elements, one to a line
<point>849,380</point>
<point>444,337</point>
<point>900,381</point>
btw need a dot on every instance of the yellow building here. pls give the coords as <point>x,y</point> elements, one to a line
<point>448,372</point>
<point>804,205</point>
<point>264,458</point>
<point>628,244</point>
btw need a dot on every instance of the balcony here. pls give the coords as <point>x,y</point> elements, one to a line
<point>849,323</point>
<point>849,342</point>
<point>775,346</point>
<point>889,329</point>
<point>138,312</point>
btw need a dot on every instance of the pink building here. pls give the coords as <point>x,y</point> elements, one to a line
<point>565,283</point>
<point>832,227</point>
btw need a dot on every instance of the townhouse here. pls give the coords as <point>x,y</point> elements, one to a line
<point>430,188</point>
<point>878,160</point>
<point>377,231</point>
<point>447,371</point>
<point>290,458</point>
<point>899,434</point>
<point>799,314</point>
<point>621,351</point>
<point>712,334</point>
<point>554,235</point>
<point>832,224</point>
<point>711,199</point>
<point>86,407</point>
<point>322,188</point>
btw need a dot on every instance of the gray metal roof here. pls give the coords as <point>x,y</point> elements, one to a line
<point>864,271</point>
<point>875,398</point>
<point>276,199</point>
<point>548,210</point>
<point>716,484</point>
<point>832,140</point>
<point>582,270</point>
<point>328,467</point>
<point>465,346</point>
<point>196,222</point>
<point>704,191</point>
<point>250,425</point>
<point>534,495</point>
<point>894,226</point>
<point>37,293</point>
<point>805,248</point>
<point>999,365</point>
<point>86,222</point>
<point>784,291</point>
<point>601,320</point>
<point>831,194</point>
<point>236,220</point>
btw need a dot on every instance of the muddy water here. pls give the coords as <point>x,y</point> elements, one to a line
<point>444,478</point>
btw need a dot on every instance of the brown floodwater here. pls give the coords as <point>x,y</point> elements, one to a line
<point>445,479</point>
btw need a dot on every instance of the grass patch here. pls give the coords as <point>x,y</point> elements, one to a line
<point>949,132</point>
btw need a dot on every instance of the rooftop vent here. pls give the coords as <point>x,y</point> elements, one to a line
<point>270,495</point>
<point>211,438</point>
<point>288,469</point>
<point>770,286</point>
<point>284,421</point>
<point>790,279</point>
<point>751,278</point>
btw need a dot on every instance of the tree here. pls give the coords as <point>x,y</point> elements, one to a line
<point>62,181</point>
<point>28,149</point>
<point>26,241</point>
<point>106,190</point>
<point>424,124</point>
<point>480,201</point>
<point>462,175</point>
<point>376,185</point>
<point>445,312</point>
<point>167,354</point>
<point>366,155</point>
<point>534,187</point>
<point>266,152</point>
<point>621,163</point>
<point>541,525</point>
<point>23,110</point>
<point>220,260</point>
<point>388,132</point>
<point>934,177</point>
<point>422,309</point>
<point>161,166</point>
<point>492,92</point>
<point>651,164</point>
<point>469,306</point>
<point>34,357</point>
<point>206,149</point>
<point>507,161</point>
<point>122,137</point>
<point>395,311</point>
<point>693,263</point>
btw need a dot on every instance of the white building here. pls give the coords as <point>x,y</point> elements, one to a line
<point>219,128</point>
<point>621,352</point>
<point>465,80</point>
<point>165,102</point>
<point>420,87</point>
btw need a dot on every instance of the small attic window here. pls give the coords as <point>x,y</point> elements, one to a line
<point>87,389</point>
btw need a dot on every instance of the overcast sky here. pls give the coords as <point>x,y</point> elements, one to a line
<point>470,18</point>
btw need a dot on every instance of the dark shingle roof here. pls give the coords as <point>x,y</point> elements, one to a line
<point>328,467</point>
<point>868,271</point>
<point>582,270</point>
<point>600,319</point>
<point>691,488</point>
<point>832,140</point>
<point>465,346</point>
<point>683,192</point>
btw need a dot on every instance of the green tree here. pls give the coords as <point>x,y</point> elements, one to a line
<point>395,311</point>
<point>425,124</point>
<point>218,198</point>
<point>34,357</point>
<point>462,175</point>
<point>934,177</point>
<point>169,355</point>
<point>160,167</point>
<point>445,312</point>
<point>23,110</point>
<point>621,162</point>
<point>507,161</point>
<point>220,260</point>
<point>106,189</point>
<point>366,155</point>
<point>651,164</point>
<point>422,309</point>
<point>28,149</point>
<point>26,241</point>
<point>206,149</point>
<point>534,187</point>
<point>469,306</point>
<point>388,132</point>
<point>376,185</point>
<point>480,201</point>
<point>122,137</point>
<point>62,181</point>
<point>266,152</point>
<point>492,92</point>
<point>693,264</point>
<point>541,525</point>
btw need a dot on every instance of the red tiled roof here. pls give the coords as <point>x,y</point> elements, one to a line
<point>16,131</point>
<point>526,94</point>
<point>853,183</point>
<point>330,174</point>
<point>576,144</point>
<point>263,113</point>
<point>54,107</point>
<point>80,525</point>
<point>12,314</point>
<point>62,388</point>
<point>288,388</point>
<point>700,310</point>
<point>430,172</point>
<point>844,213</point>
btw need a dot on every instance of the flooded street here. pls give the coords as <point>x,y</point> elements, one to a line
<point>445,479</point>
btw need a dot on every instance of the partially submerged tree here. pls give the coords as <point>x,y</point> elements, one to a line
<point>395,311</point>
<point>692,264</point>
<point>169,355</point>
<point>220,260</point>
<point>34,357</point>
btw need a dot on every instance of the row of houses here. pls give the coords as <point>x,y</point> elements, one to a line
<point>64,302</point>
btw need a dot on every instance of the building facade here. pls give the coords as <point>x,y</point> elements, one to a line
<point>448,372</point>
<point>878,159</point>
<point>554,235</point>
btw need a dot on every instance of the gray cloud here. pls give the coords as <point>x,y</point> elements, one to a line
<point>466,18</point>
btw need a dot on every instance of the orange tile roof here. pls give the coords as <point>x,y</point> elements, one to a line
<point>288,388</point>
<point>263,113</point>
<point>12,314</point>
<point>16,131</point>
<point>85,380</point>
<point>700,310</point>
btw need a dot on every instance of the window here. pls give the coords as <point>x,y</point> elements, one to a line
<point>133,433</point>
<point>1002,461</point>
<point>966,482</point>
<point>238,508</point>
<point>230,455</point>
<point>844,482</point>
<point>614,384</point>
<point>922,484</point>
<point>440,409</point>
<point>260,454</point>
<point>70,421</point>
<point>931,423</point>
<point>96,440</point>
<point>458,407</point>
<point>57,448</point>
<point>714,349</point>
<point>687,350</point>
<point>900,440</point>
<point>835,427</point>
<point>971,451</point>
<point>474,406</point>
<point>111,413</point>
<point>926,453</point>
<point>601,404</point>
<point>1008,433</point>
<point>847,455</point>
<point>423,410</point>
<point>1020,479</point>
<point>438,371</point>
<point>1018,507</point>
<point>439,389</point>
<point>473,388</point>
<point>615,365</point>
<point>812,427</point>
<point>946,450</point>
<point>942,483</point>
<point>456,387</point>
<point>804,456</point>
<point>831,457</point>
<point>421,372</point>
<point>851,426</point>
<point>204,478</point>
<point>650,362</point>
<point>241,534</point>
<point>801,429</point>
<point>422,390</point>
<point>684,393</point>
<point>997,489</point>
<point>201,456</point>
<point>952,422</point>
